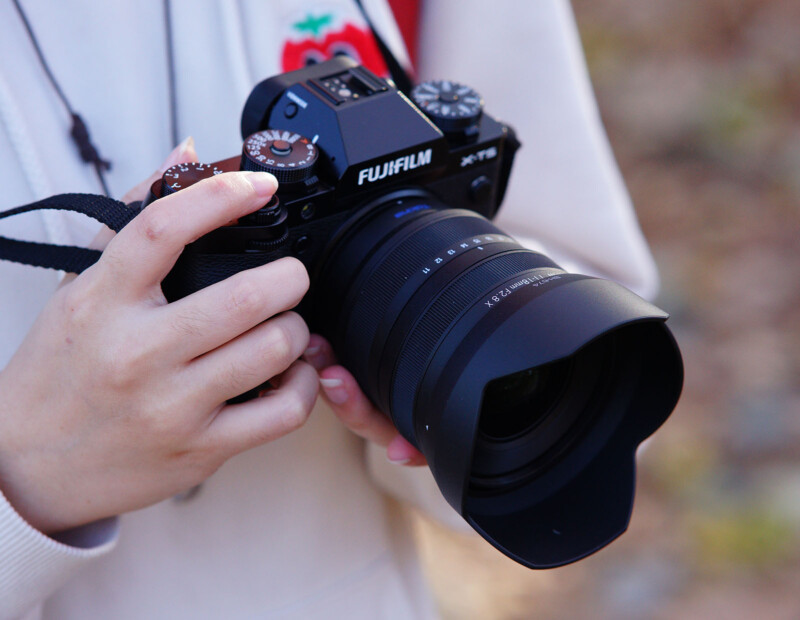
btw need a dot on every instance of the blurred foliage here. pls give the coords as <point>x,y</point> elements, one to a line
<point>736,538</point>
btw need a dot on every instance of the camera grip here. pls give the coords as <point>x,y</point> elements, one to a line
<point>196,270</point>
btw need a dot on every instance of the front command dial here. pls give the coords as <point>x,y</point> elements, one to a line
<point>453,107</point>
<point>289,156</point>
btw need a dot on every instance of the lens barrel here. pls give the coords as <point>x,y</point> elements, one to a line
<point>527,388</point>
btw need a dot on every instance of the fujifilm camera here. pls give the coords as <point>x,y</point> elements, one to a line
<point>527,388</point>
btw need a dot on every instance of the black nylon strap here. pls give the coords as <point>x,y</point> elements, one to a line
<point>112,213</point>
<point>63,257</point>
<point>192,272</point>
<point>399,75</point>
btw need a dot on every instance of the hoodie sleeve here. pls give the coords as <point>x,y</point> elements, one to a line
<point>33,566</point>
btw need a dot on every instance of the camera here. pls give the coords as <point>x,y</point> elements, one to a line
<point>527,388</point>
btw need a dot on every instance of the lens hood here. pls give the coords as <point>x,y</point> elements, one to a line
<point>583,499</point>
<point>527,388</point>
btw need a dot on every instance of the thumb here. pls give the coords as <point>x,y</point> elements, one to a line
<point>181,154</point>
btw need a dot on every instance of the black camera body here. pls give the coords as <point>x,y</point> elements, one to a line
<point>368,140</point>
<point>527,388</point>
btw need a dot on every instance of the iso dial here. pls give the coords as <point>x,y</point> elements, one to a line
<point>289,156</point>
<point>453,107</point>
<point>181,176</point>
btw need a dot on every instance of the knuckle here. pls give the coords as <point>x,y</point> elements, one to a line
<point>229,191</point>
<point>127,360</point>
<point>115,372</point>
<point>164,423</point>
<point>278,346</point>
<point>139,353</point>
<point>245,297</point>
<point>154,423</point>
<point>120,368</point>
<point>154,223</point>
<point>297,274</point>
<point>113,260</point>
<point>238,375</point>
<point>190,322</point>
<point>299,330</point>
<point>295,412</point>
<point>219,186</point>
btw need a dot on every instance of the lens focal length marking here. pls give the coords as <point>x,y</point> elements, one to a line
<point>535,280</point>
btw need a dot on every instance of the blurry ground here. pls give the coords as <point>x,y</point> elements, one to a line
<point>702,104</point>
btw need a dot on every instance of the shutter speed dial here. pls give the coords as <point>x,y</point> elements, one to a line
<point>453,107</point>
<point>289,156</point>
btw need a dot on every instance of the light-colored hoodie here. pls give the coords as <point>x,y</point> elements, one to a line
<point>302,527</point>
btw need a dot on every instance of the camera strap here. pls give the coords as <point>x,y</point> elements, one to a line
<point>72,259</point>
<point>399,75</point>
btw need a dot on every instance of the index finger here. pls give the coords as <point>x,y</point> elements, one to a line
<point>143,252</point>
<point>358,414</point>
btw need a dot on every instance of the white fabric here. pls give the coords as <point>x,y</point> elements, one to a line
<point>296,528</point>
<point>29,555</point>
<point>566,194</point>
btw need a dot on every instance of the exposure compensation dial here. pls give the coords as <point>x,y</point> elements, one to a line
<point>453,107</point>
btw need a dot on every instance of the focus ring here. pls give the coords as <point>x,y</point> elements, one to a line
<point>385,279</point>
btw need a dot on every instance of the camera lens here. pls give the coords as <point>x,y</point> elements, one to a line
<point>527,420</point>
<point>517,403</point>
<point>527,388</point>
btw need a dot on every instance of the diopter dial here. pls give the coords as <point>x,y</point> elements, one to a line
<point>289,156</point>
<point>453,107</point>
<point>181,176</point>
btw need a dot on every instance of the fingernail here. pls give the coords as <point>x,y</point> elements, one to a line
<point>177,156</point>
<point>313,351</point>
<point>184,146</point>
<point>334,390</point>
<point>263,183</point>
<point>398,461</point>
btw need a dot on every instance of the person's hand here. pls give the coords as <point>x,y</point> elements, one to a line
<point>116,399</point>
<point>181,154</point>
<point>353,407</point>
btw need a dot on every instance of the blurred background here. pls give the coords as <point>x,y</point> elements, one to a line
<point>701,101</point>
